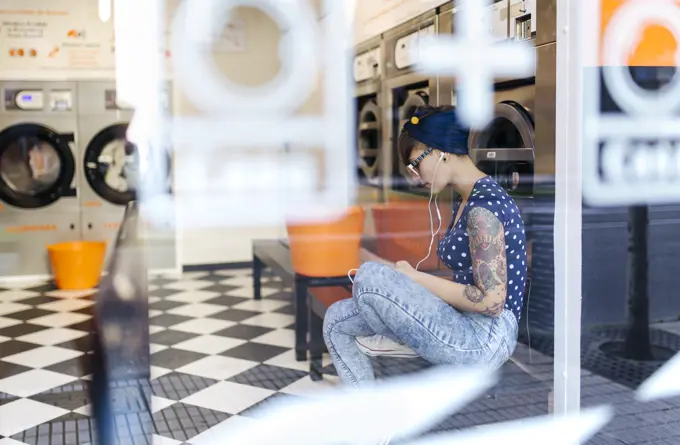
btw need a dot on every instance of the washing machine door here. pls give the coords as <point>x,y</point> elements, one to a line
<point>113,166</point>
<point>36,166</point>
<point>505,148</point>
<point>369,133</point>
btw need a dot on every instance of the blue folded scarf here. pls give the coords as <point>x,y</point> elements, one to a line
<point>440,129</point>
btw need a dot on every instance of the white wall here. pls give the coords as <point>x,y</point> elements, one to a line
<point>255,66</point>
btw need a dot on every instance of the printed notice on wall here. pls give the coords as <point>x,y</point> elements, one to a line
<point>59,39</point>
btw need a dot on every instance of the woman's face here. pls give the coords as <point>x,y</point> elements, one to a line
<point>424,163</point>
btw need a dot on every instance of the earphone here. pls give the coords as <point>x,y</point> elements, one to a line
<point>429,211</point>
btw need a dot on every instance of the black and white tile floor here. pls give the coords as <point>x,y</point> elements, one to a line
<point>216,355</point>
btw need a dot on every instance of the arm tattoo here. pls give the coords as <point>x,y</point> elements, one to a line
<point>487,249</point>
<point>494,309</point>
<point>473,294</point>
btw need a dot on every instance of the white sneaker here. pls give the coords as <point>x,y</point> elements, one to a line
<point>379,345</point>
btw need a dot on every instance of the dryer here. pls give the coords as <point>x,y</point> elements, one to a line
<point>110,170</point>
<point>38,195</point>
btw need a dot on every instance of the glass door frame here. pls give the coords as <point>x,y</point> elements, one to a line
<point>568,206</point>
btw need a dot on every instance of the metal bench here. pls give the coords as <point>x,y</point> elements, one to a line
<point>311,297</point>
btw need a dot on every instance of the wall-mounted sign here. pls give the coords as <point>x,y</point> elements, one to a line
<point>66,40</point>
<point>631,137</point>
<point>59,39</point>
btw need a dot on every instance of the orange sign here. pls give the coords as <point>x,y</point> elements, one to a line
<point>656,46</point>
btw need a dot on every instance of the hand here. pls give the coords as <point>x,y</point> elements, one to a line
<point>405,268</point>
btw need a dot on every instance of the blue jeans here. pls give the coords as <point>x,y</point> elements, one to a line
<point>389,303</point>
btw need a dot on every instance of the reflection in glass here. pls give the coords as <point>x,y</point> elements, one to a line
<point>30,166</point>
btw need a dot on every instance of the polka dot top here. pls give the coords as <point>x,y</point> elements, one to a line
<point>454,247</point>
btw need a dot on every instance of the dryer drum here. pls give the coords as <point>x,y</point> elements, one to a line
<point>369,134</point>
<point>511,127</point>
<point>111,164</point>
<point>37,166</point>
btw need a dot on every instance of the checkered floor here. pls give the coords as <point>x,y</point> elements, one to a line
<point>216,355</point>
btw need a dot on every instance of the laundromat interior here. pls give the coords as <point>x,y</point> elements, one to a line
<point>187,186</point>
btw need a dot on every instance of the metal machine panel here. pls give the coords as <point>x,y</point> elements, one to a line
<point>546,21</point>
<point>545,113</point>
<point>25,237</point>
<point>38,131</point>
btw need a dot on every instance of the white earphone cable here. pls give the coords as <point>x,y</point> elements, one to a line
<point>429,211</point>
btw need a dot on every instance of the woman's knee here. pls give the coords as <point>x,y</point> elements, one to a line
<point>371,301</point>
<point>372,274</point>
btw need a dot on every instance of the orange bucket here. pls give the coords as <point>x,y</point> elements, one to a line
<point>329,248</point>
<point>77,265</point>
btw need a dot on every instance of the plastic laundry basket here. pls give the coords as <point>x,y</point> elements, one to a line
<point>77,265</point>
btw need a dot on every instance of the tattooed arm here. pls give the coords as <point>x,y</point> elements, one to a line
<point>489,265</point>
<point>487,249</point>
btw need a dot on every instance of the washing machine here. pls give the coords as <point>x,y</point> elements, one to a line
<point>504,149</point>
<point>367,78</point>
<point>404,89</point>
<point>38,193</point>
<point>111,170</point>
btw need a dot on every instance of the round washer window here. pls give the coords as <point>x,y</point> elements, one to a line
<point>106,169</point>
<point>36,166</point>
<point>112,165</point>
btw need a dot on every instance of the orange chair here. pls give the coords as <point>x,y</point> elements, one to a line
<point>403,232</point>
<point>328,248</point>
